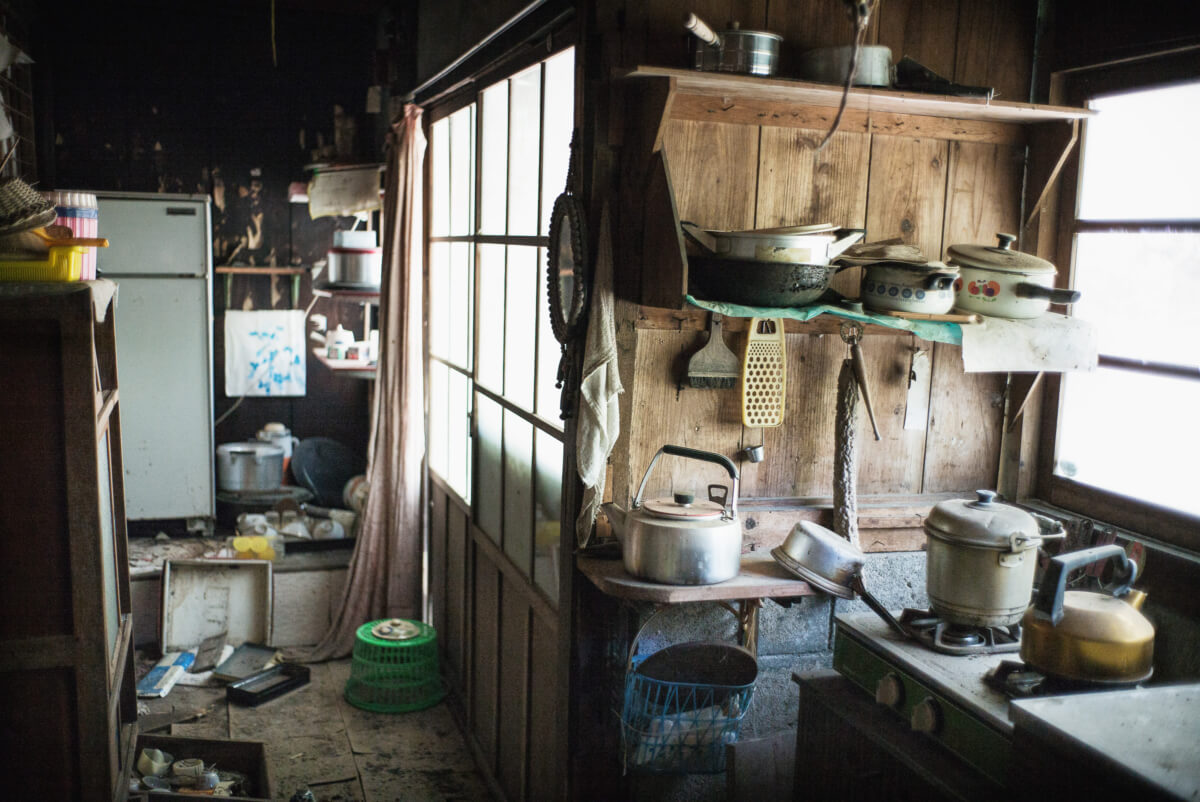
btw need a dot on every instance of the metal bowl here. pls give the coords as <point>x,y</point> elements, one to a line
<point>822,558</point>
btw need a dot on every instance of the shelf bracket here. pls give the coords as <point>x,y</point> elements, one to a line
<point>1046,140</point>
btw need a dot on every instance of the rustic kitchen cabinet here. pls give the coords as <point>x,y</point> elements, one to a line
<point>66,664</point>
<point>659,95</point>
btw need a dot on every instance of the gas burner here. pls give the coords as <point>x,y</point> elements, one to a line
<point>1019,680</point>
<point>935,633</point>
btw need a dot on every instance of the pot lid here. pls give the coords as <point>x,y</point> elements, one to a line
<point>257,447</point>
<point>684,507</point>
<point>1000,257</point>
<point>779,231</point>
<point>983,522</point>
<point>890,250</point>
<point>918,267</point>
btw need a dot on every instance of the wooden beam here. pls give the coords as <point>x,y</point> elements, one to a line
<point>742,111</point>
<point>1050,145</point>
<point>691,319</point>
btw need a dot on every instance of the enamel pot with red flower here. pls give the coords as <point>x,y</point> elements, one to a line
<point>999,281</point>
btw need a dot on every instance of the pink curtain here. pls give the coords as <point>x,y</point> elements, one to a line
<point>384,580</point>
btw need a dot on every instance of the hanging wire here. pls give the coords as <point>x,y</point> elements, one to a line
<point>861,14</point>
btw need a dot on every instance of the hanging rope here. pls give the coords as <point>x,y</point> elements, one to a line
<point>845,455</point>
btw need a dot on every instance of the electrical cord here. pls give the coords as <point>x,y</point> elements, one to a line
<point>860,12</point>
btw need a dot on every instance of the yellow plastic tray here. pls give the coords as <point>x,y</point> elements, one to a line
<point>64,264</point>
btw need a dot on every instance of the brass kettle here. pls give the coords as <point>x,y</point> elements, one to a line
<point>1087,636</point>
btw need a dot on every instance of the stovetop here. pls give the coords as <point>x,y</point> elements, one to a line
<point>959,678</point>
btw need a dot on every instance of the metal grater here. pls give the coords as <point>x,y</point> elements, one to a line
<point>764,373</point>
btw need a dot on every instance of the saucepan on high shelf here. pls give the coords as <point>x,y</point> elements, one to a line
<point>999,281</point>
<point>733,50</point>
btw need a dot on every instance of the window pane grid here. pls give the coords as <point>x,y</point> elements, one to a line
<point>496,166</point>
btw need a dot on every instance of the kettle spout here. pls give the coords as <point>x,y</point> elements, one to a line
<point>616,517</point>
<point>1135,599</point>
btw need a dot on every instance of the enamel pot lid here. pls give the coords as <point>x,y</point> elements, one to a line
<point>1000,257</point>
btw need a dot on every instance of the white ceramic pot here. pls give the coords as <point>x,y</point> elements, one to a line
<point>924,289</point>
<point>998,281</point>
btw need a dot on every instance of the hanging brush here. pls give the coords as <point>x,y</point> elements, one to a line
<point>714,365</point>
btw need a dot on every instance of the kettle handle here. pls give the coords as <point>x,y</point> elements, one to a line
<point>1048,602</point>
<point>693,453</point>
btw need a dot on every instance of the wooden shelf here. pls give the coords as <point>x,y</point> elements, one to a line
<point>351,368</point>
<point>747,100</point>
<point>364,296</point>
<point>761,578</point>
<point>246,270</point>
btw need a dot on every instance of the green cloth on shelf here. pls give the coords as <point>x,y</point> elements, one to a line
<point>934,331</point>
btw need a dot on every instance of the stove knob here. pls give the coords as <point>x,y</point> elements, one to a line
<point>889,690</point>
<point>926,716</point>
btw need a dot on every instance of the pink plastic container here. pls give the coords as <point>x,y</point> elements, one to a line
<point>79,212</point>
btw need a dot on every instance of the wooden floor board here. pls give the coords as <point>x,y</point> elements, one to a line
<point>315,739</point>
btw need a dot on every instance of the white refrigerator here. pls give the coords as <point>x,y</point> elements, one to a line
<point>160,256</point>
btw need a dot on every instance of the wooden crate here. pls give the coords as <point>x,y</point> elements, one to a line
<point>246,757</point>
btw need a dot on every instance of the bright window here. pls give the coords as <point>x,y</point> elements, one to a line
<point>1127,428</point>
<point>495,437</point>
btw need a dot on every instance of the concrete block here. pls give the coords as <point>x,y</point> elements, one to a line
<point>897,579</point>
<point>776,701</point>
<point>800,629</point>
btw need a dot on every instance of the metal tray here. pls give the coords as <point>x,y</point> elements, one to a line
<point>267,684</point>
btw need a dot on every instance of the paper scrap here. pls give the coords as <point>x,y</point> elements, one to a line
<point>165,674</point>
<point>1052,342</point>
<point>916,406</point>
<point>341,193</point>
<point>265,353</point>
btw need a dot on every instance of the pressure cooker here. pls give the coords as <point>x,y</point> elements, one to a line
<point>981,559</point>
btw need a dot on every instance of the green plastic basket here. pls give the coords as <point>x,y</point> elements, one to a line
<point>395,676</point>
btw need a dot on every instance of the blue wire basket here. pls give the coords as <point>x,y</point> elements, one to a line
<point>683,704</point>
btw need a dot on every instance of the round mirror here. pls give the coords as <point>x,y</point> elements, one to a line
<point>567,267</point>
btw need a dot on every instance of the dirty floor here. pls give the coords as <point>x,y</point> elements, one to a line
<point>316,740</point>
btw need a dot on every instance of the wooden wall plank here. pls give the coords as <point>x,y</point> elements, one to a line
<point>437,557</point>
<point>925,30</point>
<point>713,169</point>
<point>545,773</point>
<point>665,410</point>
<point>797,185</point>
<point>454,640</point>
<point>966,409</point>
<point>485,662</point>
<point>965,415</point>
<point>995,46</point>
<point>893,463</point>
<point>798,456</point>
<point>512,748</point>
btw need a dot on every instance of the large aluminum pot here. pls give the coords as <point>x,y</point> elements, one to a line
<point>817,244</point>
<point>249,466</point>
<point>981,560</point>
<point>679,540</point>
<point>999,281</point>
<point>734,50</point>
